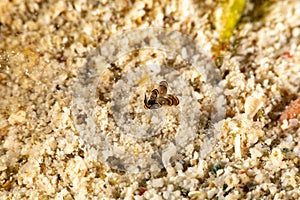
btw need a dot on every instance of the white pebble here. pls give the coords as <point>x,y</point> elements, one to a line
<point>168,153</point>
<point>18,117</point>
<point>237,146</point>
<point>159,182</point>
<point>253,103</point>
<point>296,32</point>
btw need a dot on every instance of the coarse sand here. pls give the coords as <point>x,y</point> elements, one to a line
<point>72,118</point>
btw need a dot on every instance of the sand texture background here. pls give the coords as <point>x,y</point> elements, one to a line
<point>43,44</point>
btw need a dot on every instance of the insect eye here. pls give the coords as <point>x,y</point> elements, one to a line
<point>163,88</point>
<point>164,101</point>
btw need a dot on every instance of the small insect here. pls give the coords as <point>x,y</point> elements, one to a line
<point>163,88</point>
<point>159,97</point>
<point>154,94</point>
<point>174,100</point>
<point>151,102</point>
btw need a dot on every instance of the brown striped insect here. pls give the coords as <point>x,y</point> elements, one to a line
<point>169,100</point>
<point>151,103</point>
<point>175,100</point>
<point>159,97</point>
<point>163,88</point>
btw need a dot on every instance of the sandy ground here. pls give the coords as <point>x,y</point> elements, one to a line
<point>44,153</point>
